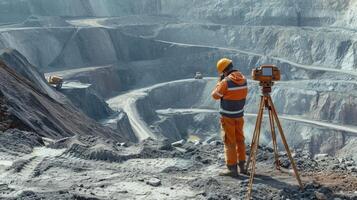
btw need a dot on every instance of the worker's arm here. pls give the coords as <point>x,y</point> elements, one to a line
<point>220,90</point>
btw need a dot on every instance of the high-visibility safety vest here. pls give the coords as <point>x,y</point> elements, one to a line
<point>233,101</point>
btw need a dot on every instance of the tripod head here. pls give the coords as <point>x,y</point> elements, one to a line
<point>266,87</point>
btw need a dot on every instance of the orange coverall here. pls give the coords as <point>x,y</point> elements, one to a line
<point>232,91</point>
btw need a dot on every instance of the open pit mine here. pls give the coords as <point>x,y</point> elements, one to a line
<point>98,98</point>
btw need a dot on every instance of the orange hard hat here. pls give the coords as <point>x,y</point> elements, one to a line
<point>223,64</point>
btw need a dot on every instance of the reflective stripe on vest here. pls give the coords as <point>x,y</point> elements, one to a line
<point>231,112</point>
<point>233,108</point>
<point>238,88</point>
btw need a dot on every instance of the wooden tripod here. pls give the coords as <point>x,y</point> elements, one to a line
<point>266,102</point>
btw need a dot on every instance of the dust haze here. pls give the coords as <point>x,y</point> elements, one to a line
<point>130,121</point>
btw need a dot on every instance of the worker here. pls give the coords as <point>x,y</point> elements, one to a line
<point>232,91</point>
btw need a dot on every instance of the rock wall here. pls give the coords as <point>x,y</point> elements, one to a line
<point>71,47</point>
<point>277,12</point>
<point>336,49</point>
<point>87,100</point>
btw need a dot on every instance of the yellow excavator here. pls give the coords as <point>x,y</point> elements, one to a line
<point>55,81</point>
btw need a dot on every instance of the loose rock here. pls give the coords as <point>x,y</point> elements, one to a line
<point>154,182</point>
<point>179,143</point>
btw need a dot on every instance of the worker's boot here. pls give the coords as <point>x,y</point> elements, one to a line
<point>230,171</point>
<point>242,168</point>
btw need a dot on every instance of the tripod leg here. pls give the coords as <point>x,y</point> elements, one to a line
<point>253,153</point>
<point>285,143</point>
<point>259,116</point>
<point>273,135</point>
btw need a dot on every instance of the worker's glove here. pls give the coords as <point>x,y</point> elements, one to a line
<point>221,78</point>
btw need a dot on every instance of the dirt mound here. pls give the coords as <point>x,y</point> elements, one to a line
<point>19,142</point>
<point>30,195</point>
<point>94,148</point>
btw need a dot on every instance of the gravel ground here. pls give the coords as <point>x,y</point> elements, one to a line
<point>90,168</point>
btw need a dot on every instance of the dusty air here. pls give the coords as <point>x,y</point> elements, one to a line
<point>167,99</point>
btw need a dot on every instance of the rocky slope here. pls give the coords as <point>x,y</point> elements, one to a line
<point>34,106</point>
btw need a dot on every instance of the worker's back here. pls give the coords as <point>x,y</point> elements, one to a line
<point>232,91</point>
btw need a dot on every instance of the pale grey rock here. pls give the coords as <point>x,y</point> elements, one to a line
<point>179,143</point>
<point>155,182</point>
<point>320,156</point>
<point>320,196</point>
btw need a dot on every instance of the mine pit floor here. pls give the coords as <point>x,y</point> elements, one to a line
<point>189,172</point>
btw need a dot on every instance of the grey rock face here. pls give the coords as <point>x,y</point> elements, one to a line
<point>121,123</point>
<point>87,100</point>
<point>106,81</point>
<point>20,64</point>
<point>276,12</point>
<point>302,45</point>
<point>31,109</point>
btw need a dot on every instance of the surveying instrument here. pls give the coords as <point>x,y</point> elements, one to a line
<point>266,75</point>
